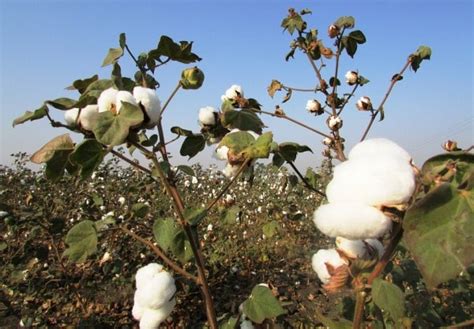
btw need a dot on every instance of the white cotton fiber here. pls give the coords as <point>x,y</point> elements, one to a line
<point>124,97</point>
<point>221,152</point>
<point>232,93</point>
<point>107,100</point>
<point>70,116</point>
<point>230,170</point>
<point>156,292</point>
<point>151,319</point>
<point>146,273</point>
<point>207,116</point>
<point>351,220</point>
<point>380,180</point>
<point>88,117</point>
<point>378,147</point>
<point>150,101</point>
<point>320,259</point>
<point>137,311</point>
<point>359,248</point>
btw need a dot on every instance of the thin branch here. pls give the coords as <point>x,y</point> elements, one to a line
<point>318,73</point>
<point>304,180</point>
<point>359,310</point>
<point>161,254</point>
<point>284,116</point>
<point>392,84</point>
<point>300,89</point>
<point>347,99</point>
<point>465,324</point>
<point>131,162</point>
<point>224,190</point>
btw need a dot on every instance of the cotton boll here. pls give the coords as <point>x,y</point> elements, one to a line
<point>124,97</point>
<point>207,116</point>
<point>233,92</point>
<point>372,181</point>
<point>377,147</point>
<point>151,319</point>
<point>221,152</point>
<point>323,257</point>
<point>377,245</point>
<point>351,220</point>
<point>137,311</point>
<point>230,170</point>
<point>150,101</point>
<point>88,117</point>
<point>70,116</point>
<point>156,292</point>
<point>359,248</point>
<point>107,100</point>
<point>146,273</point>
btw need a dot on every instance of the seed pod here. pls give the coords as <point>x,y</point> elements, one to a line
<point>333,31</point>
<point>364,104</point>
<point>192,78</point>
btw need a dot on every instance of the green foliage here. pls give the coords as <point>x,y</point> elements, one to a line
<point>31,116</point>
<point>262,305</point>
<point>177,52</point>
<point>113,56</point>
<point>140,209</point>
<point>62,103</point>
<point>347,22</point>
<point>82,241</point>
<point>181,132</point>
<point>260,148</point>
<point>192,78</point>
<point>170,237</point>
<point>81,84</point>
<point>389,297</point>
<point>293,22</point>
<point>333,323</point>
<point>195,215</point>
<point>230,215</point>
<point>192,145</point>
<point>187,170</point>
<point>113,129</point>
<point>288,151</point>
<point>421,54</point>
<point>243,120</point>
<point>88,155</point>
<point>271,228</point>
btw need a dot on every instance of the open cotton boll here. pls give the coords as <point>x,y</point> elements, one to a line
<point>372,181</point>
<point>359,248</point>
<point>124,97</point>
<point>351,220</point>
<point>137,311</point>
<point>377,147</point>
<point>233,92</point>
<point>150,101</point>
<point>70,116</point>
<point>151,319</point>
<point>88,117</point>
<point>156,292</point>
<point>323,257</point>
<point>107,100</point>
<point>207,116</point>
<point>146,273</point>
<point>230,170</point>
<point>221,152</point>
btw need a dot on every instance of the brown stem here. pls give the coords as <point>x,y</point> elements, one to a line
<point>160,254</point>
<point>318,73</point>
<point>359,310</point>
<point>224,190</point>
<point>304,180</point>
<point>347,99</point>
<point>284,116</point>
<point>130,162</point>
<point>465,324</point>
<point>379,108</point>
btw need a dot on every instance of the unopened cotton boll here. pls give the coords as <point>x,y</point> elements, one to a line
<point>372,181</point>
<point>88,117</point>
<point>351,220</point>
<point>107,100</point>
<point>323,257</point>
<point>146,273</point>
<point>207,116</point>
<point>359,248</point>
<point>156,292</point>
<point>151,319</point>
<point>70,116</point>
<point>378,147</point>
<point>150,101</point>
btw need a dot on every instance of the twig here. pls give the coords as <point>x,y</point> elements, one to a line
<point>304,180</point>
<point>131,162</point>
<point>159,253</point>
<point>379,108</point>
<point>465,324</point>
<point>347,99</point>
<point>318,73</point>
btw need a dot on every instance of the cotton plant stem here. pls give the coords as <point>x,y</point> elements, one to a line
<point>308,90</point>
<point>387,94</point>
<point>347,99</point>
<point>130,162</point>
<point>304,180</point>
<point>359,310</point>
<point>229,184</point>
<point>161,254</point>
<point>318,73</point>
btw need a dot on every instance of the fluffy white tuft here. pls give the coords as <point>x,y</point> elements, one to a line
<point>320,259</point>
<point>151,319</point>
<point>378,147</point>
<point>351,220</point>
<point>150,101</point>
<point>373,181</point>
<point>221,152</point>
<point>230,170</point>
<point>70,116</point>
<point>125,97</point>
<point>207,116</point>
<point>107,100</point>
<point>137,311</point>
<point>146,273</point>
<point>233,92</point>
<point>156,292</point>
<point>88,117</point>
<point>359,248</point>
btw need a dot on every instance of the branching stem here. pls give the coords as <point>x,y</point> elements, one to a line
<point>304,180</point>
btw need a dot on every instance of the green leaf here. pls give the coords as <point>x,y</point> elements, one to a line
<point>111,129</point>
<point>57,164</point>
<point>195,215</point>
<point>112,56</point>
<point>243,120</point>
<point>357,36</point>
<point>62,103</point>
<point>293,23</point>
<point>180,131</point>
<point>362,80</point>
<point>333,81</point>
<point>122,40</point>
<point>46,152</point>
<point>312,178</point>
<point>82,241</point>
<point>98,201</point>
<point>164,231</point>
<point>229,324</point>
<point>333,323</point>
<point>277,160</point>
<point>422,53</point>
<point>462,163</point>
<point>97,87</point>
<point>389,298</point>
<point>150,141</point>
<point>439,233</point>
<point>140,209</point>
<point>291,54</point>
<point>229,215</point>
<point>81,84</point>
<point>347,22</point>
<point>382,113</point>
<point>187,170</point>
<point>259,148</point>
<point>350,45</point>
<point>181,247</point>
<point>88,156</point>
<point>262,305</point>
<point>270,229</point>
<point>192,145</point>
<point>288,151</point>
<point>31,116</point>
<point>177,52</point>
<point>237,141</point>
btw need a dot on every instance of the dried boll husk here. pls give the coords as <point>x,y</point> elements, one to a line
<point>352,221</point>
<point>320,260</point>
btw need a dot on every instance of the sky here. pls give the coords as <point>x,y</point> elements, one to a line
<point>45,45</point>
